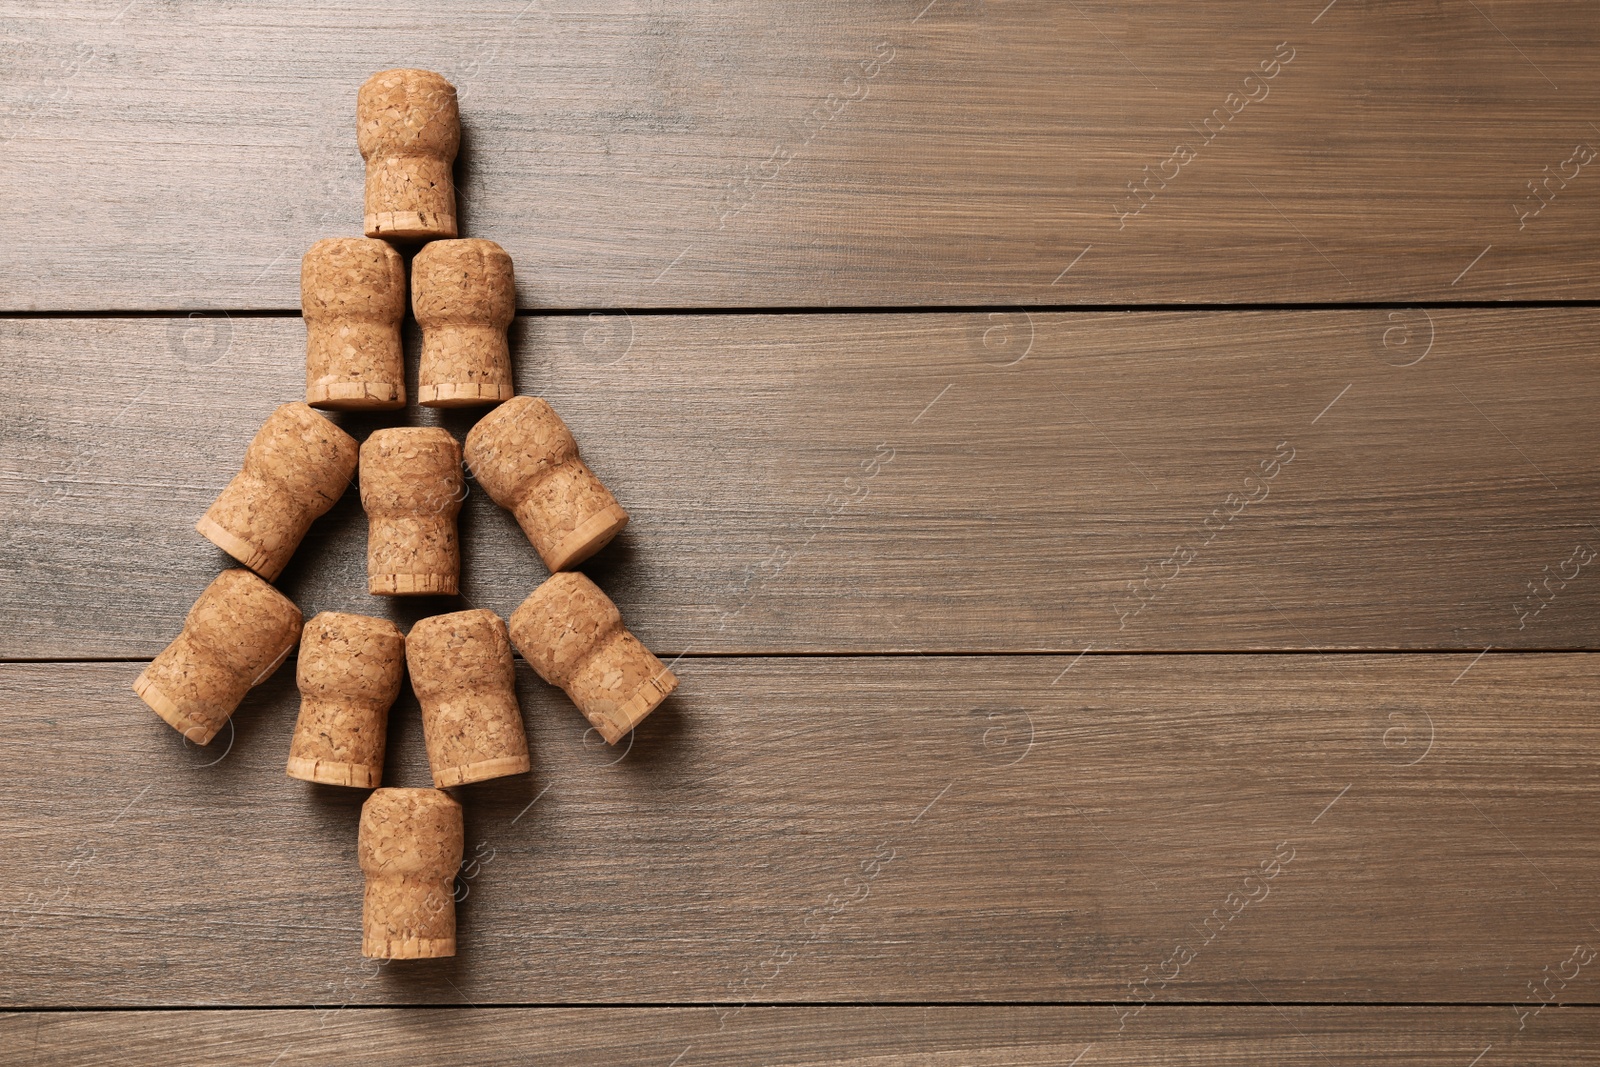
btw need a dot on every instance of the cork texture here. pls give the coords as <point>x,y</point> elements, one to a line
<point>409,847</point>
<point>408,126</point>
<point>412,487</point>
<point>573,636</point>
<point>527,461</point>
<point>349,673</point>
<point>462,673</point>
<point>237,633</point>
<point>464,296</point>
<point>295,469</point>
<point>353,296</point>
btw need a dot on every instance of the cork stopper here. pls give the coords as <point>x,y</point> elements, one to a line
<point>410,849</point>
<point>464,297</point>
<point>526,459</point>
<point>462,674</point>
<point>234,637</point>
<point>295,469</point>
<point>573,635</point>
<point>409,128</point>
<point>412,488</point>
<point>349,673</point>
<point>353,296</point>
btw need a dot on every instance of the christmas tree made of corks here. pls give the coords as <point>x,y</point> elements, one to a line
<point>350,667</point>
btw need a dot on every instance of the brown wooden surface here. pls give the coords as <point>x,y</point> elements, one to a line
<point>182,155</point>
<point>851,829</point>
<point>970,857</point>
<point>828,483</point>
<point>1286,1036</point>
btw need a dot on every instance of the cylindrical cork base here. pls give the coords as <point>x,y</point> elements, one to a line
<point>238,632</point>
<point>408,126</point>
<point>353,296</point>
<point>409,846</point>
<point>527,461</point>
<point>464,296</point>
<point>573,636</point>
<point>412,487</point>
<point>295,469</point>
<point>349,674</point>
<point>463,676</point>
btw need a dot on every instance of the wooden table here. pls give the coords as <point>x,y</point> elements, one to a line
<point>1117,481</point>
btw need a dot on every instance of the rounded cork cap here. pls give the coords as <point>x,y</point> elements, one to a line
<point>464,297</point>
<point>408,126</point>
<point>238,633</point>
<point>353,296</point>
<point>527,461</point>
<point>412,486</point>
<point>409,847</point>
<point>296,468</point>
<point>464,678</point>
<point>573,636</point>
<point>349,673</point>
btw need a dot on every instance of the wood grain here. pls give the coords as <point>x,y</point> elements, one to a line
<point>751,154</point>
<point>873,483</point>
<point>808,1037</point>
<point>857,829</point>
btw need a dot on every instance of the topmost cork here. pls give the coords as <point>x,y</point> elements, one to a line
<point>409,127</point>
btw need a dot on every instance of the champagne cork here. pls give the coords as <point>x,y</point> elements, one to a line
<point>353,296</point>
<point>525,458</point>
<point>410,849</point>
<point>461,670</point>
<point>412,488</point>
<point>235,636</point>
<point>349,674</point>
<point>573,635</point>
<point>464,297</point>
<point>295,469</point>
<point>409,128</point>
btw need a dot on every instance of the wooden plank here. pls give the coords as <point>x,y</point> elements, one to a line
<point>1389,828</point>
<point>755,154</point>
<point>931,482</point>
<point>810,1037</point>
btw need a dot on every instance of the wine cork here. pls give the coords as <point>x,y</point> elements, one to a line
<point>234,637</point>
<point>464,297</point>
<point>409,128</point>
<point>573,635</point>
<point>295,469</point>
<point>526,459</point>
<point>353,296</point>
<point>462,673</point>
<point>349,673</point>
<point>412,488</point>
<point>409,847</point>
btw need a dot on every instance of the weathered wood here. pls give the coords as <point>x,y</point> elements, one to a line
<point>1391,828</point>
<point>808,1037</point>
<point>756,154</point>
<point>825,483</point>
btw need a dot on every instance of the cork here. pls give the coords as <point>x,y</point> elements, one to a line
<point>526,459</point>
<point>464,297</point>
<point>409,847</point>
<point>412,488</point>
<point>234,637</point>
<point>349,673</point>
<point>462,674</point>
<point>573,635</point>
<point>353,296</point>
<point>295,469</point>
<point>409,128</point>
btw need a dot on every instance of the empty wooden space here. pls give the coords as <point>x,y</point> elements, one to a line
<point>1117,481</point>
